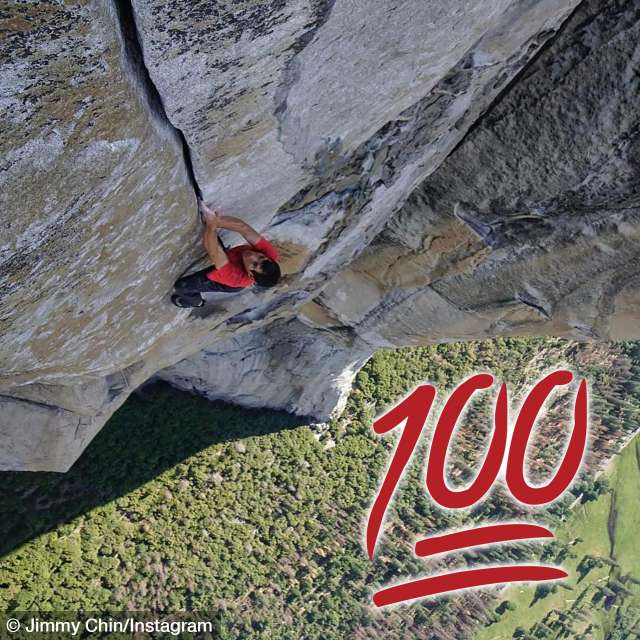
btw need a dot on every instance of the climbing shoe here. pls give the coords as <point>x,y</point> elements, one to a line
<point>183,304</point>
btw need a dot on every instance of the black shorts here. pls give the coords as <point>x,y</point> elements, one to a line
<point>190,287</point>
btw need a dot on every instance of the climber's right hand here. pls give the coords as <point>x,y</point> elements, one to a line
<point>210,219</point>
<point>209,216</point>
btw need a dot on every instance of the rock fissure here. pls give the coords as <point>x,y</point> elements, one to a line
<point>349,131</point>
<point>534,305</point>
<point>134,61</point>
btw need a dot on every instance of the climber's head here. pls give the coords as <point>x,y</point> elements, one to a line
<point>265,271</point>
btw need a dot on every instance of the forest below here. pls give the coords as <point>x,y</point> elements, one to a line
<point>257,517</point>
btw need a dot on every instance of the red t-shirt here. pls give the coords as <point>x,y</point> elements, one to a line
<point>233,274</point>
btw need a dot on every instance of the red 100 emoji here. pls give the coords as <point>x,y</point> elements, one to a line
<point>414,409</point>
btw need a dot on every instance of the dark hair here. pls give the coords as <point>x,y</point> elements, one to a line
<point>268,275</point>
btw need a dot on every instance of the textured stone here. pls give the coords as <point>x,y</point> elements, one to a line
<point>545,240</point>
<point>531,226</point>
<point>95,200</point>
<point>38,437</point>
<point>275,98</point>
<point>287,366</point>
<point>315,121</point>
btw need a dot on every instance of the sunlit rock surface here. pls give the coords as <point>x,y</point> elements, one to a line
<point>426,175</point>
<point>532,226</point>
<point>96,212</point>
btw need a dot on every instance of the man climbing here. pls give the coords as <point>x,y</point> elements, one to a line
<point>233,269</point>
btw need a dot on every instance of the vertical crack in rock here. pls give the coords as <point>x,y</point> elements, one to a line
<point>147,90</point>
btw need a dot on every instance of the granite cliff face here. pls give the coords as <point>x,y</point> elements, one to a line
<point>430,171</point>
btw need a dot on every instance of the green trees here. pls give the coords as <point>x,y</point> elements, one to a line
<point>165,510</point>
<point>591,489</point>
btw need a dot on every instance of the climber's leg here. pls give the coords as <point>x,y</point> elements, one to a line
<point>190,287</point>
<point>194,281</point>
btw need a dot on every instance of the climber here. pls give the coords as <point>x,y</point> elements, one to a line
<point>233,269</point>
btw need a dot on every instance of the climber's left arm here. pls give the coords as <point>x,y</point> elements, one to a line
<point>239,226</point>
